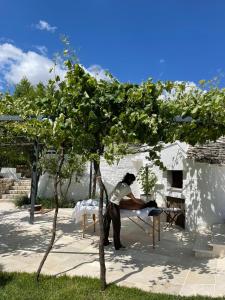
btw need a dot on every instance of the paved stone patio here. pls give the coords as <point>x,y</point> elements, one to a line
<point>169,268</point>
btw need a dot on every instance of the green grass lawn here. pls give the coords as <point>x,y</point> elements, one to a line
<point>23,286</point>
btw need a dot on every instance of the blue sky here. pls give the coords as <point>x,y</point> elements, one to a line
<point>164,39</point>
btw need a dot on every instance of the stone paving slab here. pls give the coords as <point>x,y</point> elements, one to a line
<point>171,267</point>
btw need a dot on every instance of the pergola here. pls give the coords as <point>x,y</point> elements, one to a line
<point>33,147</point>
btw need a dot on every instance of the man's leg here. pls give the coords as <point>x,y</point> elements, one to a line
<point>106,225</point>
<point>115,216</point>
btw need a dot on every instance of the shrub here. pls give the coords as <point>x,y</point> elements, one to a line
<point>147,178</point>
<point>49,203</point>
<point>45,202</point>
<point>21,201</point>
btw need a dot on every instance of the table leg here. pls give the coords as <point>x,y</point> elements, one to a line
<point>158,217</point>
<point>168,214</point>
<point>153,233</point>
<point>173,219</point>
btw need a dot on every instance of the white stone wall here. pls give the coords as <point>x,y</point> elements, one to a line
<point>111,174</point>
<point>77,190</point>
<point>10,173</point>
<point>203,187</point>
<point>205,194</point>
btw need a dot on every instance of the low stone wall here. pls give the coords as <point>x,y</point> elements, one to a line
<point>5,184</point>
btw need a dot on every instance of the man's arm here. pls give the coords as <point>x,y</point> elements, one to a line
<point>136,200</point>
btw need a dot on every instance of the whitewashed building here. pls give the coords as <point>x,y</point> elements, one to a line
<point>194,180</point>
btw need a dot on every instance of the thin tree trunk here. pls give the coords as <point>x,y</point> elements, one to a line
<point>34,181</point>
<point>64,196</point>
<point>146,178</point>
<point>61,197</point>
<point>56,182</point>
<point>68,186</point>
<point>101,239</point>
<point>90,182</point>
<point>94,187</point>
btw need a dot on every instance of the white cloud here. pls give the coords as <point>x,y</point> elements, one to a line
<point>162,61</point>
<point>98,72</point>
<point>16,64</point>
<point>42,49</point>
<point>43,25</point>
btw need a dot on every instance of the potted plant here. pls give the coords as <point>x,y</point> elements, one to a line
<point>147,179</point>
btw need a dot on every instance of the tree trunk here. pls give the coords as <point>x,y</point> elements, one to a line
<point>106,194</point>
<point>68,186</point>
<point>94,187</point>
<point>101,239</point>
<point>146,178</point>
<point>56,182</point>
<point>63,197</point>
<point>34,181</point>
<point>90,182</point>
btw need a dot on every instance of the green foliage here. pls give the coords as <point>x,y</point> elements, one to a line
<point>48,163</point>
<point>73,165</point>
<point>45,202</point>
<point>97,118</point>
<point>11,157</point>
<point>205,108</point>
<point>21,201</point>
<point>73,168</point>
<point>24,89</point>
<point>49,203</point>
<point>23,286</point>
<point>147,179</point>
